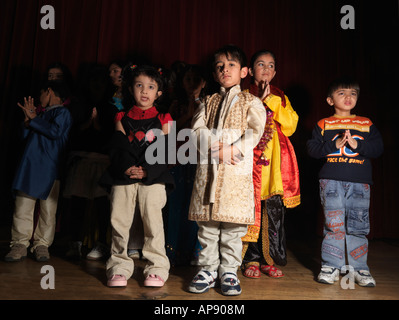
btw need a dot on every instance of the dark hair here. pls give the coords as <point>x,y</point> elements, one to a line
<point>58,65</point>
<point>234,52</point>
<point>119,62</point>
<point>130,73</point>
<point>60,88</point>
<point>343,83</point>
<point>259,53</point>
<point>66,73</point>
<point>199,74</point>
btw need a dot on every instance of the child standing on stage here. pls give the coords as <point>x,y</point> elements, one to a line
<point>222,201</point>
<point>133,178</point>
<point>39,173</point>
<point>276,174</point>
<point>347,142</point>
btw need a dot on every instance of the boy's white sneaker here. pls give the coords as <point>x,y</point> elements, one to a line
<point>328,275</point>
<point>364,279</point>
<point>230,285</point>
<point>203,281</point>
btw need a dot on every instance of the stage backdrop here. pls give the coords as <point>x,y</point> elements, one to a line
<point>310,43</point>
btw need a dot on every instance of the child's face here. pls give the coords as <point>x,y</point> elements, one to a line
<point>228,72</point>
<point>343,100</point>
<point>264,69</point>
<point>115,72</point>
<point>55,74</point>
<point>191,81</point>
<point>145,91</point>
<point>44,98</point>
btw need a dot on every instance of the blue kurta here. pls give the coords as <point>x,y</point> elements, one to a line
<point>46,139</point>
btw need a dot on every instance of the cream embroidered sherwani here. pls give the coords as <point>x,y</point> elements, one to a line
<point>223,192</point>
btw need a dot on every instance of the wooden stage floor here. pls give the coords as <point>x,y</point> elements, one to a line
<point>85,280</point>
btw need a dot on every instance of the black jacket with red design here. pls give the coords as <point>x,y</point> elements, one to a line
<point>130,150</point>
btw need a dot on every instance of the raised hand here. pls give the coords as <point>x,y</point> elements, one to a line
<point>264,89</point>
<point>28,108</point>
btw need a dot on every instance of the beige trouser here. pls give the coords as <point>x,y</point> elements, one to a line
<point>221,246</point>
<point>150,199</point>
<point>23,224</point>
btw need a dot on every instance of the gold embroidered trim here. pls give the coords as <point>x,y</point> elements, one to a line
<point>244,249</point>
<point>275,193</point>
<point>251,263</point>
<point>292,202</point>
<point>252,234</point>
<point>265,237</point>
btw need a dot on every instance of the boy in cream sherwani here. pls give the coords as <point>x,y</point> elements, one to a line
<point>227,126</point>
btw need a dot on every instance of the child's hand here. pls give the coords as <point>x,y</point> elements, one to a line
<point>264,90</point>
<point>224,153</point>
<point>352,142</point>
<point>136,173</point>
<point>28,108</point>
<point>341,142</point>
<point>345,140</point>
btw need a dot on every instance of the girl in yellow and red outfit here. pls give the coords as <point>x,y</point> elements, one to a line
<point>275,174</point>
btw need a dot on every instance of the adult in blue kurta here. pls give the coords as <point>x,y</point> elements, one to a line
<point>38,173</point>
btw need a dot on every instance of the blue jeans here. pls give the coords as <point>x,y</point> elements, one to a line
<point>346,213</point>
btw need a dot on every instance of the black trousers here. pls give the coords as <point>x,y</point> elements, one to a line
<point>275,211</point>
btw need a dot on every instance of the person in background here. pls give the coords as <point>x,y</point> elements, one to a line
<point>87,203</point>
<point>115,73</point>
<point>181,237</point>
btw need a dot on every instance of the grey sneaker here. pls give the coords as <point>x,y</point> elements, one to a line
<point>328,275</point>
<point>41,253</point>
<point>18,252</point>
<point>364,279</point>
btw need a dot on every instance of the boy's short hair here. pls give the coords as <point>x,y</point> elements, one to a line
<point>234,52</point>
<point>343,83</point>
<point>59,87</point>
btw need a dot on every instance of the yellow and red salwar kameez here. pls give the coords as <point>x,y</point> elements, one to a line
<point>275,171</point>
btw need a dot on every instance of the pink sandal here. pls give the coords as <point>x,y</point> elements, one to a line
<point>117,280</point>
<point>154,281</point>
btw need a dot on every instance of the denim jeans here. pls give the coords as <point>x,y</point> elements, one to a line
<point>346,213</point>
